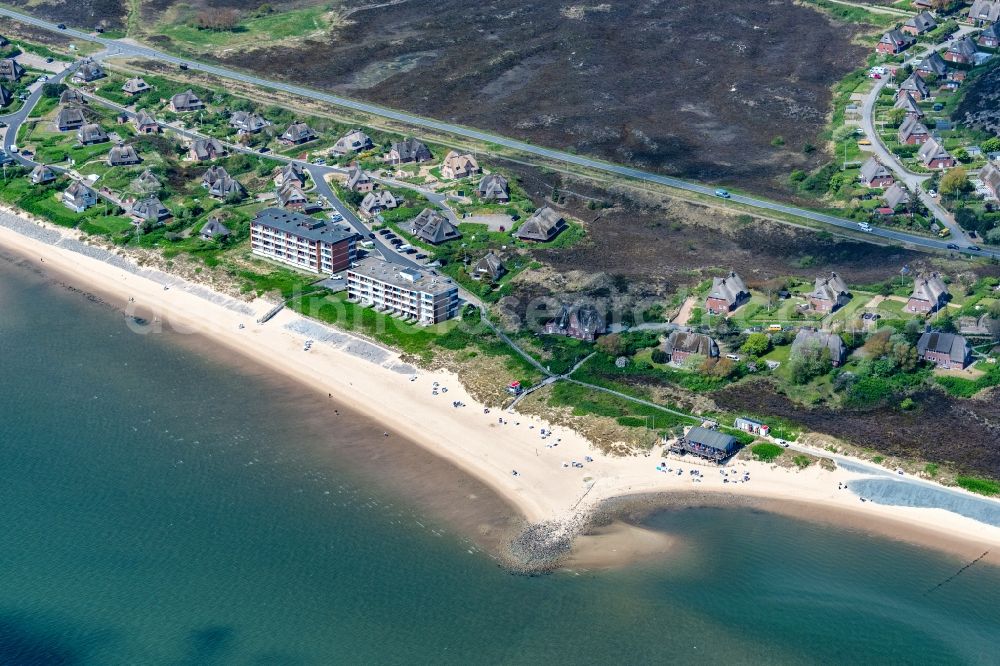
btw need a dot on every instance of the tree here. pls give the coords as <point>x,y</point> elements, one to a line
<point>611,344</point>
<point>896,117</point>
<point>53,89</point>
<point>217,19</point>
<point>991,145</point>
<point>724,368</point>
<point>808,361</point>
<point>954,182</point>
<point>757,344</point>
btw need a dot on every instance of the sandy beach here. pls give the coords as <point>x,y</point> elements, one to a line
<point>490,446</point>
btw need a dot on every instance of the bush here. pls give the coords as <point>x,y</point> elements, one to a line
<point>766,452</point>
<point>976,485</point>
<point>802,461</point>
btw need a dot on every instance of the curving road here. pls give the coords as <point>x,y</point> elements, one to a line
<point>16,119</point>
<point>912,180</point>
<point>117,47</point>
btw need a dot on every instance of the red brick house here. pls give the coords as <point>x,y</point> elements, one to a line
<point>874,174</point>
<point>919,24</point>
<point>680,345</point>
<point>894,42</point>
<point>912,132</point>
<point>582,322</point>
<point>990,38</point>
<point>945,350</point>
<point>727,294</point>
<point>934,156</point>
<point>929,294</point>
<point>916,86</point>
<point>962,51</point>
<point>829,293</point>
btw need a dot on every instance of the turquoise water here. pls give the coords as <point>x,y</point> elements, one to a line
<point>162,502</point>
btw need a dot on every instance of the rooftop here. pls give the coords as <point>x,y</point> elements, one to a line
<point>301,225</point>
<point>403,277</point>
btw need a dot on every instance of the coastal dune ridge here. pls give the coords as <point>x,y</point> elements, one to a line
<point>559,505</point>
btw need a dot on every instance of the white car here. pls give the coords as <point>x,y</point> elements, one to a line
<point>864,226</point>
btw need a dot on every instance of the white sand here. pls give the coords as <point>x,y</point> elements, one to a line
<point>472,440</point>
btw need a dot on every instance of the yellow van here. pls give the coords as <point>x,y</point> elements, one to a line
<point>774,327</point>
<point>864,142</point>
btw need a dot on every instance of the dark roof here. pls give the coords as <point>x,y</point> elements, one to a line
<point>433,227</point>
<point>896,196</point>
<point>356,176</point>
<point>72,96</point>
<point>70,116</point>
<point>410,149</point>
<point>873,169</point>
<point>143,118</point>
<point>122,154</point>
<point>544,225</point>
<point>915,84</point>
<point>303,226</point>
<point>490,265</point>
<point>581,316</point>
<point>492,186</point>
<point>933,64</point>
<point>213,229</point>
<point>691,343</point>
<point>150,209</point>
<point>298,132</point>
<point>729,288</point>
<point>811,338</point>
<point>186,100</point>
<point>713,439</point>
<point>956,346</point>
<point>829,288</point>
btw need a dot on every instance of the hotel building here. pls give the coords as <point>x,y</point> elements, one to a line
<point>301,241</point>
<point>410,293</point>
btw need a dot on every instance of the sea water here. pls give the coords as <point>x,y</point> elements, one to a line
<point>162,501</point>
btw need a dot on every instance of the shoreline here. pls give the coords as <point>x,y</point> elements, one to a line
<point>377,383</point>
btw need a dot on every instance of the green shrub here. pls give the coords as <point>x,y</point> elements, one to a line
<point>977,485</point>
<point>766,452</point>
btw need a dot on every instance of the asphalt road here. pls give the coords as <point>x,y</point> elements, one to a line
<point>14,120</point>
<point>116,47</point>
<point>912,180</point>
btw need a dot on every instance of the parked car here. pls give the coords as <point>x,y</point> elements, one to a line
<point>409,250</point>
<point>384,232</point>
<point>396,242</point>
<point>864,226</point>
<point>421,256</point>
<point>50,59</point>
<point>265,149</point>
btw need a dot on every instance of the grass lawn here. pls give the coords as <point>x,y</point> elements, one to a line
<point>275,26</point>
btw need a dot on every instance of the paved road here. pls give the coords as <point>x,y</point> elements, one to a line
<point>16,119</point>
<point>117,47</point>
<point>912,180</point>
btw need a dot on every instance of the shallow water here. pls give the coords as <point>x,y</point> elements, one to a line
<point>163,502</point>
